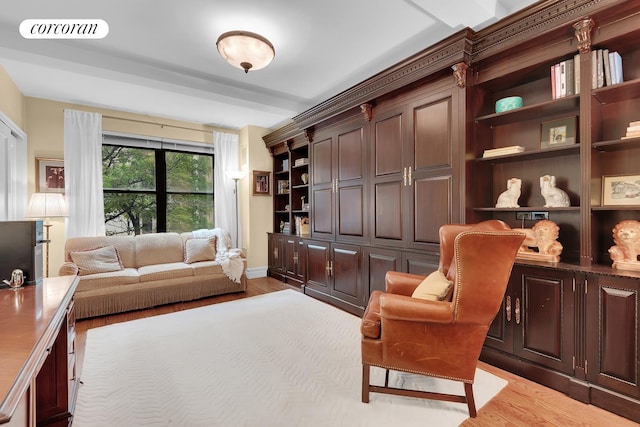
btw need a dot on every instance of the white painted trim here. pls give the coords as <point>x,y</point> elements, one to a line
<point>255,272</point>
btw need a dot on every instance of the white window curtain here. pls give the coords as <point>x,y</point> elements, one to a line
<point>13,171</point>
<point>226,159</point>
<point>83,173</point>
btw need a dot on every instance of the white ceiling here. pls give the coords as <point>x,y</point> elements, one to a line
<point>160,58</point>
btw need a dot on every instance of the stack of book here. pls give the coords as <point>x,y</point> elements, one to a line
<point>633,130</point>
<point>503,151</point>
<point>301,161</point>
<point>606,68</point>
<point>565,78</point>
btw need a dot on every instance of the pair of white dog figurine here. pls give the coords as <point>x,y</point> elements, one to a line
<point>553,196</point>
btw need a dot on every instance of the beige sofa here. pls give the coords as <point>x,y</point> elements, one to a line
<point>123,273</point>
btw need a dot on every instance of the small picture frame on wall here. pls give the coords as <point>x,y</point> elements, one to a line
<point>49,175</point>
<point>558,132</point>
<point>261,183</point>
<point>621,190</point>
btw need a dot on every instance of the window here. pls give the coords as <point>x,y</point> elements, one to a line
<point>149,188</point>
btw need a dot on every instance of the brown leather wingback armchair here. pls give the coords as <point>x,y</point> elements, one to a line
<point>440,338</point>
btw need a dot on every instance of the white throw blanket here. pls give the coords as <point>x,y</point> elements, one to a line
<point>229,259</point>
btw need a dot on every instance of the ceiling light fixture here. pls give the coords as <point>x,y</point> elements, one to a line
<point>245,50</point>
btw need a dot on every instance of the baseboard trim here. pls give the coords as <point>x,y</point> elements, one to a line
<point>255,272</point>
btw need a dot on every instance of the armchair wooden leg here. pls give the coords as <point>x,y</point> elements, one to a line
<point>468,391</point>
<point>365,383</point>
<point>386,378</point>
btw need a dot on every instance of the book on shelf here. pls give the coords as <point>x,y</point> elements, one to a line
<point>615,63</point>
<point>599,69</point>
<point>301,161</point>
<point>607,67</point>
<point>563,79</point>
<point>285,165</point>
<point>503,151</point>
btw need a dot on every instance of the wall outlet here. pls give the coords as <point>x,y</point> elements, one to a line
<point>539,215</point>
<point>523,215</point>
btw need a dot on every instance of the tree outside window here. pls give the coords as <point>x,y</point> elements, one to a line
<point>155,190</point>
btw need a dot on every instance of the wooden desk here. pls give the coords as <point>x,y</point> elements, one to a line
<point>37,353</point>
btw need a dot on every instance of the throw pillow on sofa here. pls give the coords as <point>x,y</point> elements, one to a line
<point>199,250</point>
<point>435,287</point>
<point>99,260</point>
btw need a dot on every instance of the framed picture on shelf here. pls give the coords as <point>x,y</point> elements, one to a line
<point>49,175</point>
<point>261,183</point>
<point>621,190</point>
<point>558,132</point>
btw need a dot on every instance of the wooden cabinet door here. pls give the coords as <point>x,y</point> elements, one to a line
<point>350,184</point>
<point>318,257</point>
<point>545,331</point>
<point>290,256</point>
<point>377,261</point>
<point>432,177</point>
<point>323,188</point>
<point>346,272</point>
<point>536,319</point>
<point>389,179</point>
<point>276,255</point>
<point>613,337</point>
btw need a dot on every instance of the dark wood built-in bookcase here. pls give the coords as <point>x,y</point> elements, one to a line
<point>398,155</point>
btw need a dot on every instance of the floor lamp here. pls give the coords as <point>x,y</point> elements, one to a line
<point>235,176</point>
<point>45,206</point>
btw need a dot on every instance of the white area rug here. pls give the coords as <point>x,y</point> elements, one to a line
<point>280,359</point>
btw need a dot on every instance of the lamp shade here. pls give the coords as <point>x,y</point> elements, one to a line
<point>46,205</point>
<point>235,174</point>
<point>245,50</point>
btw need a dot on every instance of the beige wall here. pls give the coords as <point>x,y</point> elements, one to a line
<point>11,99</point>
<point>256,211</point>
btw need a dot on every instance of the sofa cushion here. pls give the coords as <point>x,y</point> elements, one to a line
<point>205,268</point>
<point>171,270</point>
<point>158,248</point>
<point>199,250</point>
<point>127,276</point>
<point>98,260</point>
<point>124,246</point>
<point>435,287</point>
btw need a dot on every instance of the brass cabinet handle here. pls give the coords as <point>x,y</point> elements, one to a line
<point>410,180</point>
<point>295,258</point>
<point>508,308</point>
<point>517,311</point>
<point>275,253</point>
<point>404,176</point>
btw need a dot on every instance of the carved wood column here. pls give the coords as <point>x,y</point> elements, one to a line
<point>583,36</point>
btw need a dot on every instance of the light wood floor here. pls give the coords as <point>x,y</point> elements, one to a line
<point>520,403</point>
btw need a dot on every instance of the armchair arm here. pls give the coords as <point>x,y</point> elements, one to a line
<point>68,269</point>
<point>400,307</point>
<point>402,283</point>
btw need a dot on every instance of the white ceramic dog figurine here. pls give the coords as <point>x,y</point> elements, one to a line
<point>509,198</point>
<point>553,196</point>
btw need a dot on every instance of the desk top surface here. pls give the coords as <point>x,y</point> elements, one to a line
<point>30,319</point>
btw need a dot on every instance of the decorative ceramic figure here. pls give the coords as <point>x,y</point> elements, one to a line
<point>553,196</point>
<point>543,236</point>
<point>304,177</point>
<point>626,236</point>
<point>509,198</point>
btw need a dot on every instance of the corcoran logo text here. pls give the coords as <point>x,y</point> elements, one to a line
<point>64,29</point>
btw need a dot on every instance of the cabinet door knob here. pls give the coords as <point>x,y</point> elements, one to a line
<point>508,308</point>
